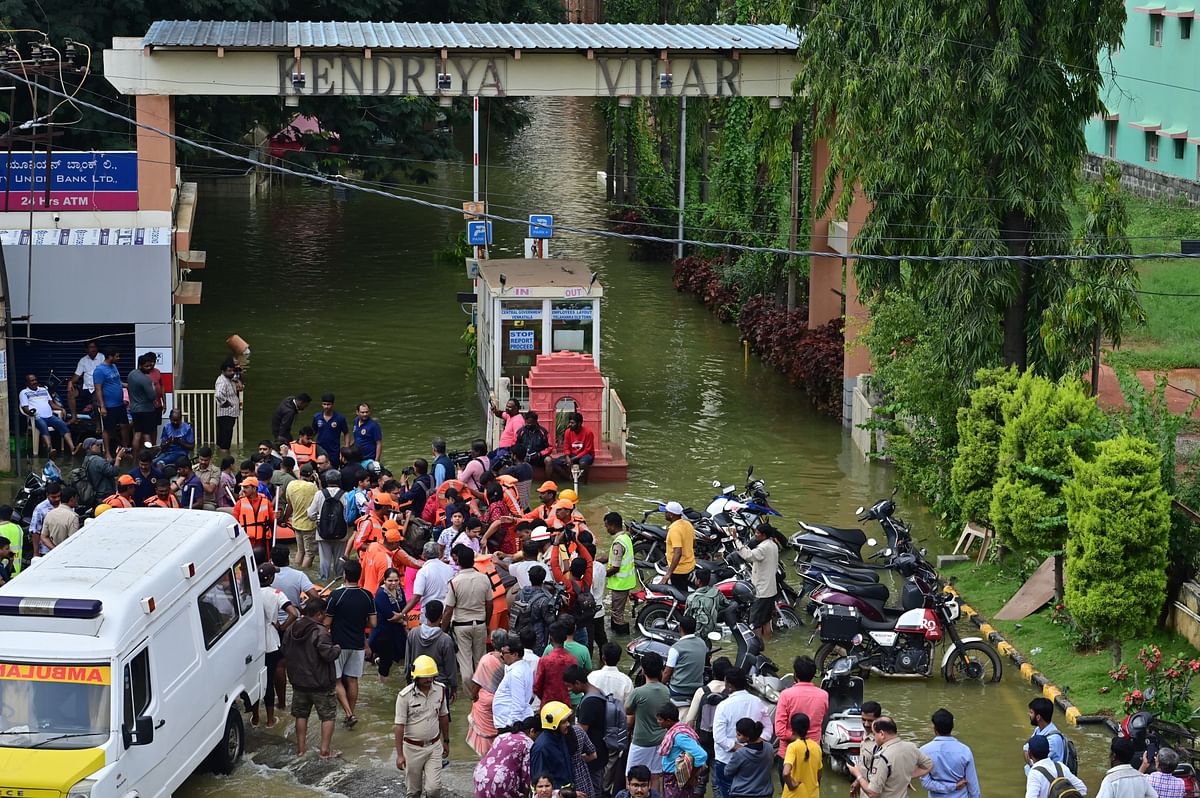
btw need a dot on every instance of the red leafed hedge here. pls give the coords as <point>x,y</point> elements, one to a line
<point>810,359</point>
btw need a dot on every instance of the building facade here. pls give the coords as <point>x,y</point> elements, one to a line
<point>1152,97</point>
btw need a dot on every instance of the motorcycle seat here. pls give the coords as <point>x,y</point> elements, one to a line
<point>710,565</point>
<point>868,592</point>
<point>670,590</point>
<point>840,570</point>
<point>888,623</point>
<point>653,529</point>
<point>852,537</point>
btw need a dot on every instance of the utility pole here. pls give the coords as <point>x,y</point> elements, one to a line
<point>682,174</point>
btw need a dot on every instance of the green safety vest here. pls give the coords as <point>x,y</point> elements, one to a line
<point>14,535</point>
<point>625,578</point>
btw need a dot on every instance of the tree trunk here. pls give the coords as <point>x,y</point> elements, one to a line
<point>610,165</point>
<point>704,159</point>
<point>1096,363</point>
<point>1016,233</point>
<point>1058,576</point>
<point>631,171</point>
<point>1115,647</point>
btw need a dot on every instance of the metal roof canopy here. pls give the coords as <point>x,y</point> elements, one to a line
<point>468,35</point>
<point>550,275</point>
<point>375,59</point>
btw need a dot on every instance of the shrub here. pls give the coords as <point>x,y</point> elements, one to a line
<point>1048,427</point>
<point>704,278</point>
<point>1120,519</point>
<point>810,359</point>
<point>980,426</point>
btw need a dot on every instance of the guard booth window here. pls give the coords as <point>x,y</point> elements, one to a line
<point>571,326</point>
<point>520,339</point>
<point>136,689</point>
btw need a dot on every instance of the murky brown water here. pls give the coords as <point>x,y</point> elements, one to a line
<point>347,296</point>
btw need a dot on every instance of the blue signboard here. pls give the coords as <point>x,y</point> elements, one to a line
<point>541,225</point>
<point>479,234</point>
<point>520,340</point>
<point>92,181</point>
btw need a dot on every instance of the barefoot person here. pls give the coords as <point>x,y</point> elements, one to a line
<point>312,658</point>
<point>275,604</point>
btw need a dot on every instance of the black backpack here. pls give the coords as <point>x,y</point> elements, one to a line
<point>585,602</point>
<point>1070,756</point>
<point>331,523</point>
<point>83,487</point>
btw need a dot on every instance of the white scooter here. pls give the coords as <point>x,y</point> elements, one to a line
<point>843,736</point>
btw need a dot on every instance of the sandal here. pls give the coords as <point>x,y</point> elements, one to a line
<point>350,721</point>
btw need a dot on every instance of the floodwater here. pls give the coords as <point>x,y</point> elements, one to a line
<point>348,296</point>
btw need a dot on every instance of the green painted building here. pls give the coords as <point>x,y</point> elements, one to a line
<point>1153,100</point>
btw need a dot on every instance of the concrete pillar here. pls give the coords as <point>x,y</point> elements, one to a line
<point>156,153</point>
<point>824,287</point>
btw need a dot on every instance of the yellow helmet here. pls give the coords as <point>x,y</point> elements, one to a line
<point>424,667</point>
<point>101,509</point>
<point>569,495</point>
<point>553,714</point>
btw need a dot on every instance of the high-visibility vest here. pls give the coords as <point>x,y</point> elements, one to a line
<point>117,500</point>
<point>169,503</point>
<point>258,519</point>
<point>303,452</point>
<point>487,566</point>
<point>368,529</point>
<point>626,577</point>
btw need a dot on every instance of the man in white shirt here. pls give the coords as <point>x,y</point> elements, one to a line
<point>609,678</point>
<point>1122,780</point>
<point>740,704</point>
<point>81,389</point>
<point>512,701</point>
<point>432,582</point>
<point>1037,784</point>
<point>37,403</point>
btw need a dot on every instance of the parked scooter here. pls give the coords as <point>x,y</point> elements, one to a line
<point>843,736</point>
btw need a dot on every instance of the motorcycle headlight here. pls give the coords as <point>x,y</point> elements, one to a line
<point>82,790</point>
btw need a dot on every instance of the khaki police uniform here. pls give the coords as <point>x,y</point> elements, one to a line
<point>421,714</point>
<point>893,765</point>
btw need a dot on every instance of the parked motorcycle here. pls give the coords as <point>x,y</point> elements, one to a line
<point>843,736</point>
<point>819,541</point>
<point>663,604</point>
<point>906,644</point>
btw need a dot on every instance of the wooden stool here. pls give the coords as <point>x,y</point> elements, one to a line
<point>969,534</point>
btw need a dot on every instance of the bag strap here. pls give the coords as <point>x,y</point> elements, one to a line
<point>1046,773</point>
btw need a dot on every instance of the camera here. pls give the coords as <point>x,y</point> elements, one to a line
<point>408,471</point>
<point>569,534</point>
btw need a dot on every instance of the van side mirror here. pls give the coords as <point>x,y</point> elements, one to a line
<point>142,734</point>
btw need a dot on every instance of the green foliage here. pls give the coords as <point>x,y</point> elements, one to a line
<point>962,124</point>
<point>1101,300</point>
<point>1119,517</point>
<point>922,396</point>
<point>980,425</point>
<point>1048,427</point>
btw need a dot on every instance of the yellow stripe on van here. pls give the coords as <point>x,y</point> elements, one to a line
<point>43,772</point>
<point>70,674</point>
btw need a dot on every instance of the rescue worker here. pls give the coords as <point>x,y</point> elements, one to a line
<point>303,448</point>
<point>486,565</point>
<point>162,496</point>
<point>422,720</point>
<point>377,557</point>
<point>369,526</point>
<point>124,495</point>
<point>255,514</point>
<point>621,572</point>
<point>548,493</point>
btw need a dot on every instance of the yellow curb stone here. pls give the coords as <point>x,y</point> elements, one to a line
<point>1027,671</point>
<point>1051,692</point>
<point>986,628</point>
<point>1073,714</point>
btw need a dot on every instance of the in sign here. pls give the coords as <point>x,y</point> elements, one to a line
<point>541,225</point>
<point>479,234</point>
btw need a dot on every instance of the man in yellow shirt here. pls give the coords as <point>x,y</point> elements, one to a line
<point>681,544</point>
<point>299,494</point>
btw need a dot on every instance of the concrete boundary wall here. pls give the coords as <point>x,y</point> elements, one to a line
<point>1142,182</point>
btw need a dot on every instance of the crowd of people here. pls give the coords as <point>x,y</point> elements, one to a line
<point>477,593</point>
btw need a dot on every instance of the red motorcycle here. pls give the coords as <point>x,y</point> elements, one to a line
<point>663,604</point>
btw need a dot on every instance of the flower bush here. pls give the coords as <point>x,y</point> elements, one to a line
<point>1164,687</point>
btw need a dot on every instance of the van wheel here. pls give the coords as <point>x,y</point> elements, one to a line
<point>228,753</point>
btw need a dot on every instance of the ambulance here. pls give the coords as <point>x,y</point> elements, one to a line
<point>127,656</point>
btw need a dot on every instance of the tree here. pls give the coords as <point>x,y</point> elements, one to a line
<point>980,428</point>
<point>1047,427</point>
<point>962,123</point>
<point>1102,298</point>
<point>1119,517</point>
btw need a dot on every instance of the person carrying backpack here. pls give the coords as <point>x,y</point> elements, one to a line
<point>581,603</point>
<point>535,607</point>
<point>705,604</point>
<point>1050,779</point>
<point>594,717</point>
<point>328,510</point>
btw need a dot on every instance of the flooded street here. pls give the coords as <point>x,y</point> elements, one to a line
<point>349,296</point>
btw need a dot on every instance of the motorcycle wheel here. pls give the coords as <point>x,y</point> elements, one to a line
<point>637,675</point>
<point>973,662</point>
<point>658,616</point>
<point>785,620</point>
<point>644,550</point>
<point>829,653</point>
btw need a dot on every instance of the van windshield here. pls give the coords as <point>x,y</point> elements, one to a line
<point>54,705</point>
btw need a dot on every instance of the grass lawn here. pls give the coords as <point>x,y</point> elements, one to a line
<point>1171,335</point>
<point>1080,675</point>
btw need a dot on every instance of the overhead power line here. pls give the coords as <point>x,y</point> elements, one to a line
<point>1046,259</point>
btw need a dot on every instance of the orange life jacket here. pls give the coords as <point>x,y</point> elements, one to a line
<point>303,452</point>
<point>117,500</point>
<point>487,566</point>
<point>258,519</point>
<point>170,503</point>
<point>368,530</point>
